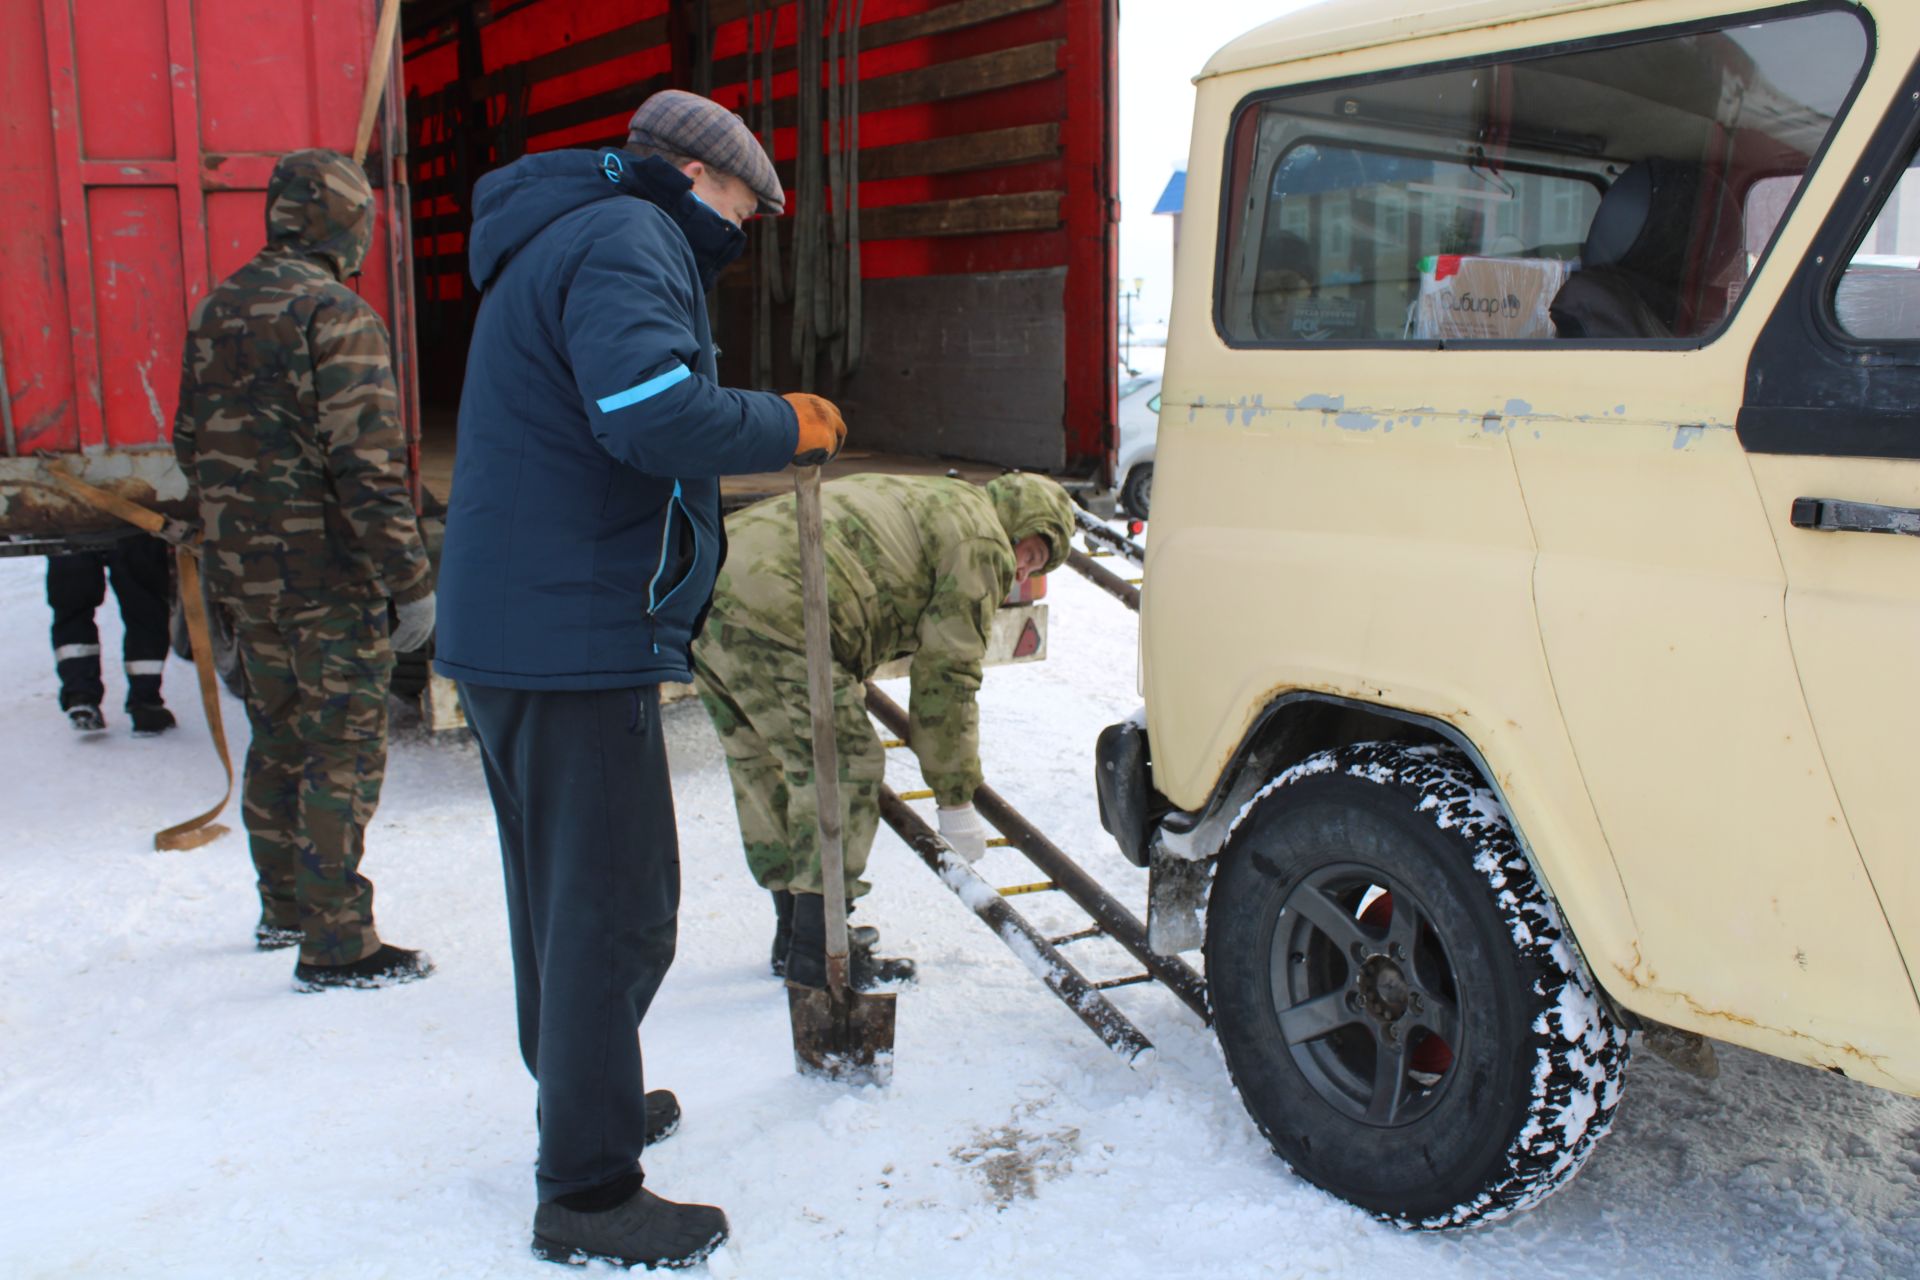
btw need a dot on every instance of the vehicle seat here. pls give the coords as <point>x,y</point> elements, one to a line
<point>1636,260</point>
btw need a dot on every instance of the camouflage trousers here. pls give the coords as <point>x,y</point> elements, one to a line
<point>755,692</point>
<point>317,699</point>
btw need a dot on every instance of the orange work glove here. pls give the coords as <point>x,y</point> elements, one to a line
<point>822,429</point>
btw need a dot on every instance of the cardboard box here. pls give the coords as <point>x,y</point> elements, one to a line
<point>1465,298</point>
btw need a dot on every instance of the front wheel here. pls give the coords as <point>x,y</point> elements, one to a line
<point>1397,1001</point>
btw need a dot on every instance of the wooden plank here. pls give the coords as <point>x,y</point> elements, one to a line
<point>916,26</point>
<point>591,52</point>
<point>961,78</point>
<point>977,215</point>
<point>961,153</point>
<point>614,102</point>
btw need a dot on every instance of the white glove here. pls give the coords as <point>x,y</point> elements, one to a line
<point>414,624</point>
<point>962,831</point>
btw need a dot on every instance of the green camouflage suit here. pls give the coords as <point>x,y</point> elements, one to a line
<point>915,566</point>
<point>288,432</point>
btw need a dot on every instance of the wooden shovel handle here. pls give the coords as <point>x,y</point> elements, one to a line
<point>826,753</point>
<point>377,70</point>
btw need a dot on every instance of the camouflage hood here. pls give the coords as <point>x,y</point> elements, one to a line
<point>319,204</point>
<point>1028,505</point>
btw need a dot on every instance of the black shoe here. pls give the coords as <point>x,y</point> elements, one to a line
<point>859,937</point>
<point>150,719</point>
<point>388,967</point>
<point>643,1231</point>
<point>273,937</point>
<point>86,719</point>
<point>807,956</point>
<point>782,932</point>
<point>663,1116</point>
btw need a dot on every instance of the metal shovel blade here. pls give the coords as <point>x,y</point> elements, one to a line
<point>848,1039</point>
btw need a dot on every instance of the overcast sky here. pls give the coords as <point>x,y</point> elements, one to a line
<point>1163,45</point>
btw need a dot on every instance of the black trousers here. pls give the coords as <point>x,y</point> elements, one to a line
<point>77,585</point>
<point>592,857</point>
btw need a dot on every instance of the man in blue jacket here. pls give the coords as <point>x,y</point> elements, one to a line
<point>582,543</point>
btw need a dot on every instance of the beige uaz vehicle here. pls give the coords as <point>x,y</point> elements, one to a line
<point>1530,653</point>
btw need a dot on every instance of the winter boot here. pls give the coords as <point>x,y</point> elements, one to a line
<point>86,719</point>
<point>150,719</point>
<point>663,1116</point>
<point>859,937</point>
<point>807,955</point>
<point>273,937</point>
<point>388,967</point>
<point>782,932</point>
<point>642,1231</point>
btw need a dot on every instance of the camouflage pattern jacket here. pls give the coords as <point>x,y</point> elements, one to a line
<point>915,566</point>
<point>288,428</point>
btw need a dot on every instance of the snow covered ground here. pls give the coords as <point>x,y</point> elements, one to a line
<point>168,1107</point>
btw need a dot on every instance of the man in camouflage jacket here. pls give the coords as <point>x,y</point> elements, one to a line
<point>915,566</point>
<point>288,432</point>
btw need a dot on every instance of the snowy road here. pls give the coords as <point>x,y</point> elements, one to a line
<point>169,1108</point>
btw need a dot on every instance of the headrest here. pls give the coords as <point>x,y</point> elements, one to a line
<point>1648,217</point>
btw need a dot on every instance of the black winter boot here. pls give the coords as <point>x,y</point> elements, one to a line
<point>663,1116</point>
<point>150,718</point>
<point>859,937</point>
<point>807,956</point>
<point>388,967</point>
<point>273,937</point>
<point>782,931</point>
<point>642,1231</point>
<point>86,719</point>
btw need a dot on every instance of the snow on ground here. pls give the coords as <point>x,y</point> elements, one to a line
<point>168,1107</point>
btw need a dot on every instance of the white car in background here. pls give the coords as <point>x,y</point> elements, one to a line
<point>1139,415</point>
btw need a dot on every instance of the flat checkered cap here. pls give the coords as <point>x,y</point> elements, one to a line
<point>701,129</point>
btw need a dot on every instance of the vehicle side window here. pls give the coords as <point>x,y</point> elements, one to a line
<point>1878,297</point>
<point>1153,405</point>
<point>1605,193</point>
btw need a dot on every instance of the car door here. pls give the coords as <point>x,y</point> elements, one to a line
<point>1662,590</point>
<point>1831,426</point>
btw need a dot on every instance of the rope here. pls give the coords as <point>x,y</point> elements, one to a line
<point>852,345</point>
<point>807,183</point>
<point>826,273</point>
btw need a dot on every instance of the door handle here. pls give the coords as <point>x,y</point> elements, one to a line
<point>1833,515</point>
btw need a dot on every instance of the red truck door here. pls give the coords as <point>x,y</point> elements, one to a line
<point>136,138</point>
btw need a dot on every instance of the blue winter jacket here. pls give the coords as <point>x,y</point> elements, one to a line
<point>584,531</point>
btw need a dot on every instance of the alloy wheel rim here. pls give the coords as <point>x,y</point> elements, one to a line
<point>1366,995</point>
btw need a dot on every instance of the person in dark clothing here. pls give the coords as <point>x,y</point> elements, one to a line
<point>142,584</point>
<point>581,548</point>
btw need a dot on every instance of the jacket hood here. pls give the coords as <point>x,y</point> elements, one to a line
<point>1028,505</point>
<point>319,204</point>
<point>513,205</point>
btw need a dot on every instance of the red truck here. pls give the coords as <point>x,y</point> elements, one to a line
<point>974,269</point>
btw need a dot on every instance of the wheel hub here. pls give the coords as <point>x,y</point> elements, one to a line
<point>1383,988</point>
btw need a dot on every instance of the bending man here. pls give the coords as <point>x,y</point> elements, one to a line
<point>915,566</point>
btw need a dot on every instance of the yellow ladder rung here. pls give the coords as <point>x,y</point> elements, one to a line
<point>1014,890</point>
<point>893,744</point>
<point>916,795</point>
<point>1098,555</point>
<point>1134,582</point>
<point>999,842</point>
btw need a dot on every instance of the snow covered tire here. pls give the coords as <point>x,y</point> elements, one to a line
<point>1398,1003</point>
